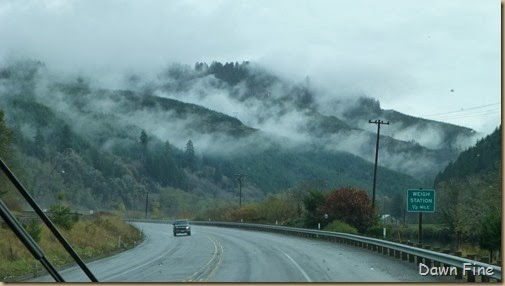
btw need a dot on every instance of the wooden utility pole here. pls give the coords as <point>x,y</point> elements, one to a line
<point>378,122</point>
<point>240,177</point>
<point>147,201</point>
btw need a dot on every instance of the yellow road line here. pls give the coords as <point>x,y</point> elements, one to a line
<point>217,264</point>
<point>190,278</point>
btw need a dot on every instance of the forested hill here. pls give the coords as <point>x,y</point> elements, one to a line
<point>479,160</point>
<point>185,135</point>
<point>469,194</point>
<point>306,114</point>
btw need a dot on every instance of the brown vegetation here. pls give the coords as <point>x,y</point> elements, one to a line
<point>92,237</point>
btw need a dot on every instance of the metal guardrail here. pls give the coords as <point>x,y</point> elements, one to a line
<point>400,251</point>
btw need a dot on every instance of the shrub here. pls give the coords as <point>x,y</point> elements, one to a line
<point>34,229</point>
<point>340,226</point>
<point>63,216</point>
<point>376,231</point>
<point>350,205</point>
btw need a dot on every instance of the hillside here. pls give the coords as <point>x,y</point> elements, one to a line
<point>184,136</point>
<point>469,193</point>
<point>307,115</point>
<point>481,159</point>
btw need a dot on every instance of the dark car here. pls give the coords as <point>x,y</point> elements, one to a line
<point>182,226</point>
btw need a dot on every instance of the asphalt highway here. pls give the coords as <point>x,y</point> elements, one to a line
<point>213,254</point>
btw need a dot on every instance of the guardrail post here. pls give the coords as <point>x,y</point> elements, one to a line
<point>412,258</point>
<point>428,262</point>
<point>419,260</point>
<point>397,254</point>
<point>435,262</point>
<point>430,258</point>
<point>484,278</point>
<point>404,256</point>
<point>459,274</point>
<point>470,277</point>
<point>446,251</point>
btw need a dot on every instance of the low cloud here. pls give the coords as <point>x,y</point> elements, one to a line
<point>274,114</point>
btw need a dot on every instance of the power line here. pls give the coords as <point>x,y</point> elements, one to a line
<point>461,110</point>
<point>470,114</point>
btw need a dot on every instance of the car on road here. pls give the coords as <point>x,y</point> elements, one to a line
<point>181,226</point>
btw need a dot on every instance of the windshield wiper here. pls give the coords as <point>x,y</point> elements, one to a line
<point>27,239</point>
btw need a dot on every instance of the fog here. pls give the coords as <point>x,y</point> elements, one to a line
<point>442,59</point>
<point>275,116</point>
<point>407,54</point>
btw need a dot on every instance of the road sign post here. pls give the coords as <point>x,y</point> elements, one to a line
<point>421,201</point>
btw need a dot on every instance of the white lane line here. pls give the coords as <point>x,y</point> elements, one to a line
<point>128,270</point>
<point>298,266</point>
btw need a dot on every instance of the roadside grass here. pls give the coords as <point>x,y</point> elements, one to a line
<point>340,226</point>
<point>92,237</point>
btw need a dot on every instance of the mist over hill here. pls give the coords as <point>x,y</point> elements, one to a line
<point>239,118</point>
<point>309,116</point>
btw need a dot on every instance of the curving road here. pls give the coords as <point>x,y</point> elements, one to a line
<point>213,254</point>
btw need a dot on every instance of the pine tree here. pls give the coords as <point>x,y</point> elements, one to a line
<point>6,140</point>
<point>189,156</point>
<point>143,143</point>
<point>65,139</point>
<point>39,145</point>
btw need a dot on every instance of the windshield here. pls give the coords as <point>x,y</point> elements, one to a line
<point>251,141</point>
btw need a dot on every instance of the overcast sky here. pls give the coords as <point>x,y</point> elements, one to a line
<point>435,59</point>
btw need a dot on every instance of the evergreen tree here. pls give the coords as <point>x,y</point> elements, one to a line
<point>398,206</point>
<point>143,144</point>
<point>490,232</point>
<point>39,145</point>
<point>189,156</point>
<point>65,139</point>
<point>6,140</point>
<point>312,202</point>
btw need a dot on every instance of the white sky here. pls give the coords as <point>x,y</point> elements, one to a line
<point>409,54</point>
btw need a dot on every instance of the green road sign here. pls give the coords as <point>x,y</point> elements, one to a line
<point>421,201</point>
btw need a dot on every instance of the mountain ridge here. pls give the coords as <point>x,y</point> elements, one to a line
<point>273,135</point>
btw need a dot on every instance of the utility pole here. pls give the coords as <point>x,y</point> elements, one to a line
<point>147,201</point>
<point>240,177</point>
<point>378,122</point>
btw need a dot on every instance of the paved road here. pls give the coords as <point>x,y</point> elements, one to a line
<point>213,254</point>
